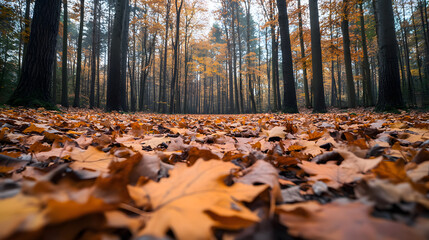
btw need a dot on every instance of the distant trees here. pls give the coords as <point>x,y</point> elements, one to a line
<point>33,89</point>
<point>155,56</point>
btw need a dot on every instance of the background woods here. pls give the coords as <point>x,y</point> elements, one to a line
<point>226,56</point>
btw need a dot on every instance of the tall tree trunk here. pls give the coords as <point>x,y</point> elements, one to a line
<point>234,58</point>
<point>304,64</point>
<point>419,64</point>
<point>389,92</point>
<point>268,70</point>
<point>34,85</point>
<point>114,89</point>
<point>230,75</point>
<point>290,105</point>
<point>368,99</point>
<point>240,95</point>
<point>175,78</point>
<point>351,94</point>
<point>64,85</point>
<point>124,56</point>
<point>93,56</point>
<point>317,83</point>
<point>76,102</point>
<point>249,63</point>
<point>410,87</point>
<point>274,59</point>
<point>163,101</point>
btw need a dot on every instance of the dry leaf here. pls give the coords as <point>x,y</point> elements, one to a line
<point>195,199</point>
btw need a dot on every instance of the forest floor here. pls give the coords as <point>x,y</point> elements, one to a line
<point>84,174</point>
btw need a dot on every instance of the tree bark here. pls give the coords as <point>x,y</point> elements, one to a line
<point>304,64</point>
<point>368,98</point>
<point>317,83</point>
<point>34,85</point>
<point>64,85</point>
<point>93,56</point>
<point>114,90</point>
<point>389,92</point>
<point>175,78</point>
<point>290,105</point>
<point>76,102</point>
<point>351,94</point>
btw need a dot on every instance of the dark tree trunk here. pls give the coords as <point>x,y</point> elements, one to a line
<point>163,94</point>
<point>304,64</point>
<point>54,80</point>
<point>175,78</point>
<point>317,83</point>
<point>76,102</point>
<point>124,56</point>
<point>389,81</point>
<point>351,94</point>
<point>114,90</point>
<point>234,59</point>
<point>93,56</point>
<point>419,64</point>
<point>290,105</point>
<point>410,87</point>
<point>230,75</point>
<point>368,99</point>
<point>34,85</point>
<point>64,85</point>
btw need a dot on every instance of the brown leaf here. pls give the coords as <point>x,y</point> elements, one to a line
<point>195,199</point>
<point>340,221</point>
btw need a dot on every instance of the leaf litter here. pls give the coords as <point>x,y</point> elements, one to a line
<point>86,174</point>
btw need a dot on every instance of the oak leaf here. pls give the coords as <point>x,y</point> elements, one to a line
<point>195,199</point>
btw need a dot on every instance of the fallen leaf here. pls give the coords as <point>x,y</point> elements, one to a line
<point>195,199</point>
<point>340,221</point>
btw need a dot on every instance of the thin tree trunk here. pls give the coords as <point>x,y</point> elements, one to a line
<point>304,64</point>
<point>64,85</point>
<point>351,94</point>
<point>76,102</point>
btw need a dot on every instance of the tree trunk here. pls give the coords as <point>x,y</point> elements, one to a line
<point>368,99</point>
<point>175,78</point>
<point>93,56</point>
<point>76,102</point>
<point>317,83</point>
<point>389,81</point>
<point>290,105</point>
<point>351,94</point>
<point>114,89</point>
<point>304,64</point>
<point>124,56</point>
<point>64,85</point>
<point>34,85</point>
